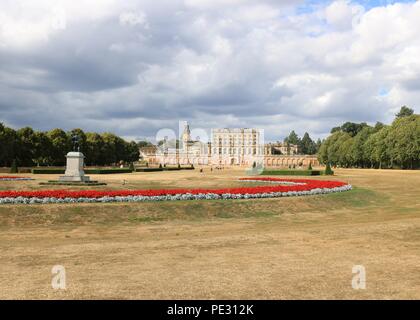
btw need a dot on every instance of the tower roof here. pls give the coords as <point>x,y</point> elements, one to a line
<point>187,128</point>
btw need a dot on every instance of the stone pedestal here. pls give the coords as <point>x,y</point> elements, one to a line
<point>74,168</point>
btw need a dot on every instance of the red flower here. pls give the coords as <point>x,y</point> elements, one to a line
<point>13,177</point>
<point>304,185</point>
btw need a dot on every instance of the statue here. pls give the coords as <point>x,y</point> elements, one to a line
<point>76,142</point>
<point>75,163</point>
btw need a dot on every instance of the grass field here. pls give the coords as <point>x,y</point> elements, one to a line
<point>300,247</point>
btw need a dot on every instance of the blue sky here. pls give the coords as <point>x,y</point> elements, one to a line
<point>310,5</point>
<point>138,66</point>
<point>377,3</point>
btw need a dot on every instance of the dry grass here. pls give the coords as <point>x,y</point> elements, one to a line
<point>301,247</point>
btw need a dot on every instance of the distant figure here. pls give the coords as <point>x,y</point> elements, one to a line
<point>201,170</point>
<point>124,182</point>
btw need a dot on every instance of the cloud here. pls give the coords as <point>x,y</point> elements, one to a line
<point>136,66</point>
<point>133,19</point>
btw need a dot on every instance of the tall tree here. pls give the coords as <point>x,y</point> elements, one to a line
<point>307,145</point>
<point>358,151</point>
<point>404,112</point>
<point>94,149</point>
<point>293,138</point>
<point>60,145</point>
<point>9,143</point>
<point>27,143</point>
<point>132,152</point>
<point>405,132</point>
<point>42,149</point>
<point>144,143</point>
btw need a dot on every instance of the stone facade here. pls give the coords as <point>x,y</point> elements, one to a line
<point>241,146</point>
<point>227,147</point>
<point>280,148</point>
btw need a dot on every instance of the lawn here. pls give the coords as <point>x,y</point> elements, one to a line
<point>300,247</point>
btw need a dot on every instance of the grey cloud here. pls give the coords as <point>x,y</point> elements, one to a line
<point>214,66</point>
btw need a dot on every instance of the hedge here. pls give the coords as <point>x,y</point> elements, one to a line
<point>87,171</point>
<point>47,171</point>
<point>108,171</point>
<point>147,169</point>
<point>292,172</point>
<point>151,169</point>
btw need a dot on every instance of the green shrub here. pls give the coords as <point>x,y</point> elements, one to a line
<point>171,168</point>
<point>131,167</point>
<point>328,170</point>
<point>107,171</point>
<point>14,168</point>
<point>47,171</point>
<point>87,171</point>
<point>148,169</point>
<point>310,166</point>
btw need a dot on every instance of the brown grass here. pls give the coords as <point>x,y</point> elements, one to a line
<point>296,248</point>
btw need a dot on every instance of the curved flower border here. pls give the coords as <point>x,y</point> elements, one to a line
<point>14,178</point>
<point>282,188</point>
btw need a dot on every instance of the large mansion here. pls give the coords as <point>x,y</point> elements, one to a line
<point>226,147</point>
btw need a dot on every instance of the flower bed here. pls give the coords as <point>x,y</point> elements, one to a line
<point>278,188</point>
<point>13,178</point>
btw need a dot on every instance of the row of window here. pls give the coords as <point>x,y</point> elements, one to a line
<point>235,151</point>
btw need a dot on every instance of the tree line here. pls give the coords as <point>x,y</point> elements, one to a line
<point>305,144</point>
<point>380,146</point>
<point>28,147</point>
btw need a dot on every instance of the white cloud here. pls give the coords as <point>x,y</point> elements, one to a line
<point>139,65</point>
<point>342,14</point>
<point>133,18</point>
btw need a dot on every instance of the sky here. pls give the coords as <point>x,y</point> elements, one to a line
<point>135,67</point>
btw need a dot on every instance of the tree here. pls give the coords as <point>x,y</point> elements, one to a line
<point>380,146</point>
<point>132,152</point>
<point>404,112</point>
<point>345,157</point>
<point>9,143</point>
<point>405,133</point>
<point>329,150</point>
<point>94,149</point>
<point>27,143</point>
<point>42,149</point>
<point>378,126</point>
<point>14,168</point>
<point>144,143</point>
<point>360,158</point>
<point>29,147</point>
<point>131,167</point>
<point>109,150</point>
<point>318,144</point>
<point>335,129</point>
<point>307,145</point>
<point>293,138</point>
<point>60,146</point>
<point>353,128</point>
<point>328,170</point>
